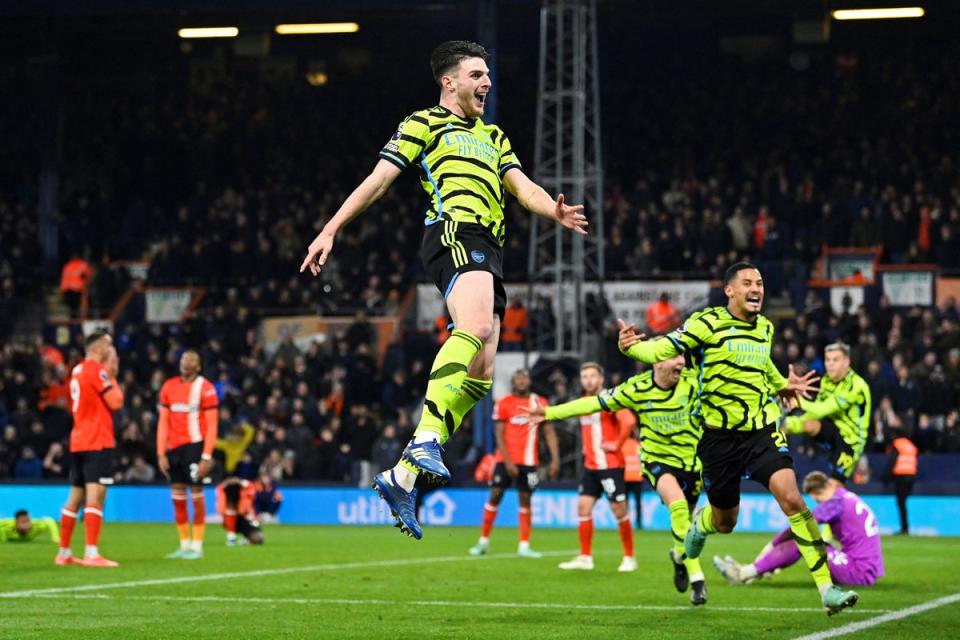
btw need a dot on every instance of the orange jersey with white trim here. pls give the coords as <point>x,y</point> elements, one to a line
<point>602,428</point>
<point>92,418</point>
<point>186,403</point>
<point>245,505</point>
<point>520,436</point>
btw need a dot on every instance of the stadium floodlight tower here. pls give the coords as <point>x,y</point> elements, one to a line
<point>568,160</point>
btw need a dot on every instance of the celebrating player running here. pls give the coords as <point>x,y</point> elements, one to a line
<point>739,386</point>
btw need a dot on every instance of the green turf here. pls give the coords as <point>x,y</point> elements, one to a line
<point>440,592</point>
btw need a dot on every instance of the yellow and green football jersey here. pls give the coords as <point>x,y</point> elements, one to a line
<point>461,161</point>
<point>738,380</point>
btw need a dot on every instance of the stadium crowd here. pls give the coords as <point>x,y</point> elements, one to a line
<point>726,160</point>
<point>332,411</point>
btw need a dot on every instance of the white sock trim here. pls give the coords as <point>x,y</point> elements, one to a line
<point>405,478</point>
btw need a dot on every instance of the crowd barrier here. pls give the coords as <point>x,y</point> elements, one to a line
<point>552,508</point>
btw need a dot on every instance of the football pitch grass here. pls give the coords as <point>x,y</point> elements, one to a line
<point>371,582</point>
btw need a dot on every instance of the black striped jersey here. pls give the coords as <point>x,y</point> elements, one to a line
<point>461,161</point>
<point>847,403</point>
<point>738,380</point>
<point>669,425</point>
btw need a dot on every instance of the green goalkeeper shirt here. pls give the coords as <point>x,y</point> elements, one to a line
<point>669,427</point>
<point>462,162</point>
<point>738,380</point>
<point>9,533</point>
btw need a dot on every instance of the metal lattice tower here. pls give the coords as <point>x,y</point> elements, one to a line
<point>568,161</point>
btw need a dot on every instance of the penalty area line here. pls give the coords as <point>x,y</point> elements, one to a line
<point>899,614</point>
<point>370,564</point>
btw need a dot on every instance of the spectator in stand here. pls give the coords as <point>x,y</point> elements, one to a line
<point>268,498</point>
<point>55,464</point>
<point>140,472</point>
<point>902,471</point>
<point>442,326</point>
<point>386,448</point>
<point>74,277</point>
<point>360,430</point>
<point>662,315</point>
<point>361,331</point>
<point>28,467</point>
<point>514,326</point>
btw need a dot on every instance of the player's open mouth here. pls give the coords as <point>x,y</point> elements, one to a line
<point>753,299</point>
<point>481,98</point>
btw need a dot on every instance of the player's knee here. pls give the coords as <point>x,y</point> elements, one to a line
<point>793,503</point>
<point>480,329</point>
<point>725,522</point>
<point>725,526</point>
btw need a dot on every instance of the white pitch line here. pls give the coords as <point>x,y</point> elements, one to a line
<point>269,572</point>
<point>889,617</point>
<point>437,603</point>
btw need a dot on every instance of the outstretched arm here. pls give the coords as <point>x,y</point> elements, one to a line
<point>534,198</point>
<point>369,191</point>
<point>50,526</point>
<point>579,407</point>
<point>653,351</point>
<point>635,345</point>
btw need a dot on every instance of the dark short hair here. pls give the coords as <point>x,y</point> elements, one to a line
<point>451,53</point>
<point>20,513</point>
<point>95,337</point>
<point>196,353</point>
<point>736,268</point>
